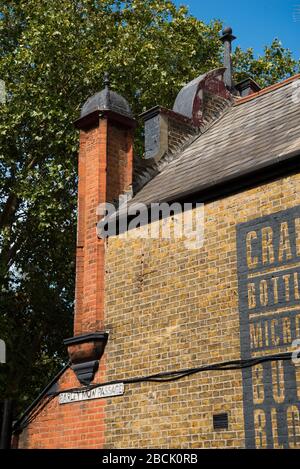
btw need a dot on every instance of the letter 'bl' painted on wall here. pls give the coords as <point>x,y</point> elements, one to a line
<point>268,253</point>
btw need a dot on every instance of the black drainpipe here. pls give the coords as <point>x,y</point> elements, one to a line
<point>6,427</point>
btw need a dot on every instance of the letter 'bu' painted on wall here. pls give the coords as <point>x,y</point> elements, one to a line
<point>268,253</point>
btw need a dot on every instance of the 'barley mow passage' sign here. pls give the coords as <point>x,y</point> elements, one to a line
<point>268,253</point>
<point>99,392</point>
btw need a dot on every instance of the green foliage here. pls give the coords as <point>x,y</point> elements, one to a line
<point>52,58</point>
<point>275,65</point>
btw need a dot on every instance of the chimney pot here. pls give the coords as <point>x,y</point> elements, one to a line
<point>106,80</point>
<point>247,87</point>
<point>227,38</point>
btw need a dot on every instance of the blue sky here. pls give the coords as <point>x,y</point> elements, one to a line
<point>255,22</point>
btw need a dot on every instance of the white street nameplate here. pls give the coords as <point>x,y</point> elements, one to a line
<point>108,390</point>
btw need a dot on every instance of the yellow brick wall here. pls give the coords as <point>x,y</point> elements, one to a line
<point>169,308</point>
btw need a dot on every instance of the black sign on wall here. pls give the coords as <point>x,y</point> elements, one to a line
<point>268,253</point>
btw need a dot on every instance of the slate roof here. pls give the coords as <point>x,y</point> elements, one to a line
<point>255,132</point>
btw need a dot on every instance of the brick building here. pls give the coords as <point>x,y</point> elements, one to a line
<point>190,344</point>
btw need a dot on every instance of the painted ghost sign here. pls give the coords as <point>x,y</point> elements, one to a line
<point>268,252</point>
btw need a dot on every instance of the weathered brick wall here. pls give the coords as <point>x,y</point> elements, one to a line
<point>105,168</point>
<point>76,425</point>
<point>168,308</point>
<point>90,250</point>
<point>119,161</point>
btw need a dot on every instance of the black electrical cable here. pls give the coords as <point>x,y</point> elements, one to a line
<point>163,377</point>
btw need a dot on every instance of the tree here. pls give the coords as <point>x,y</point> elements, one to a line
<point>52,58</point>
<point>275,65</point>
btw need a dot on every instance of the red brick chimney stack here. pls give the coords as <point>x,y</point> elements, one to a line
<point>105,171</point>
